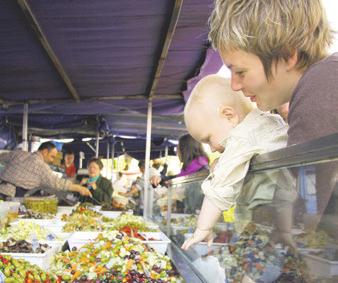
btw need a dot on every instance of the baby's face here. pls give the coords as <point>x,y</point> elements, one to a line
<point>208,127</point>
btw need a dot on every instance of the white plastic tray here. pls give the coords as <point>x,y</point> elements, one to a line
<point>79,239</point>
<point>320,267</point>
<point>114,214</point>
<point>46,223</point>
<point>160,242</point>
<point>42,260</point>
<point>64,210</point>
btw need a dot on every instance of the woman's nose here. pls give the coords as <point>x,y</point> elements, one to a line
<point>235,83</point>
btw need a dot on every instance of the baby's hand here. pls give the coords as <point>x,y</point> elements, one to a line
<point>198,236</point>
<point>155,181</point>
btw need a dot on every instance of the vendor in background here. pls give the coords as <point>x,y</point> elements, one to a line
<point>100,187</point>
<point>68,164</point>
<point>25,171</point>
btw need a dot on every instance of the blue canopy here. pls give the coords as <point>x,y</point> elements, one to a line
<point>100,64</point>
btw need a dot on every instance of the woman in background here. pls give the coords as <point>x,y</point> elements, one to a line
<point>100,187</point>
<point>194,159</point>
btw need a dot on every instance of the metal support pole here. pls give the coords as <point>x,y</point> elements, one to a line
<point>166,150</point>
<point>112,159</point>
<point>107,157</point>
<point>148,191</point>
<point>97,144</point>
<point>25,128</point>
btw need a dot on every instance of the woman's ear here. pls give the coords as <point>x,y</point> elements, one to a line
<point>292,61</point>
<point>230,114</point>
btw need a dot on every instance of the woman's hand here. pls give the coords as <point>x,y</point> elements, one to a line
<point>81,190</point>
<point>85,192</point>
<point>93,185</point>
<point>84,181</point>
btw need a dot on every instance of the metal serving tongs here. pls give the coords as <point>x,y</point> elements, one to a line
<point>95,200</point>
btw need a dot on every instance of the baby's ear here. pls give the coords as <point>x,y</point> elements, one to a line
<point>229,113</point>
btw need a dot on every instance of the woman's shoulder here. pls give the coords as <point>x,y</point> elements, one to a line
<point>104,180</point>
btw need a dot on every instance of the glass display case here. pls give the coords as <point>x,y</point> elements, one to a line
<point>287,231</point>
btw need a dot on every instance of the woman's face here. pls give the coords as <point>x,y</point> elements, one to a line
<point>69,158</point>
<point>93,169</point>
<point>247,75</point>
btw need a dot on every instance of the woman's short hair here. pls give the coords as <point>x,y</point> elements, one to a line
<point>272,30</point>
<point>97,161</point>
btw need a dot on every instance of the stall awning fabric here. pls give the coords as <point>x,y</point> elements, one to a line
<point>109,50</point>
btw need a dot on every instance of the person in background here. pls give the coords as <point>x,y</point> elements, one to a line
<point>192,156</point>
<point>69,164</point>
<point>100,187</point>
<point>284,58</point>
<point>25,171</point>
<point>194,159</point>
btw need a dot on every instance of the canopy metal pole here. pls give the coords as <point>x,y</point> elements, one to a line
<point>112,159</point>
<point>25,128</point>
<point>148,191</point>
<point>166,150</point>
<point>97,144</point>
<point>107,157</point>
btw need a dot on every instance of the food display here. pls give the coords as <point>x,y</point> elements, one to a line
<point>186,221</point>
<point>127,251</point>
<point>41,204</point>
<point>22,246</point>
<point>78,222</point>
<point>30,214</point>
<point>315,239</point>
<point>127,221</point>
<point>17,270</point>
<point>114,258</point>
<point>252,254</point>
<point>83,210</point>
<point>24,230</point>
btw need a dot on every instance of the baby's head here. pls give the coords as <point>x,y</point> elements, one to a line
<point>213,109</point>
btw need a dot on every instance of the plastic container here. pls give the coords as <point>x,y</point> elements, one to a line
<point>13,210</point>
<point>156,240</point>
<point>46,223</point>
<point>114,214</point>
<point>320,267</point>
<point>42,204</point>
<point>42,260</point>
<point>79,239</point>
<point>3,215</point>
<point>61,210</point>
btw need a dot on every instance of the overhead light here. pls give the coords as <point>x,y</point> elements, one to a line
<point>126,137</point>
<point>86,139</point>
<point>173,141</point>
<point>42,140</point>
